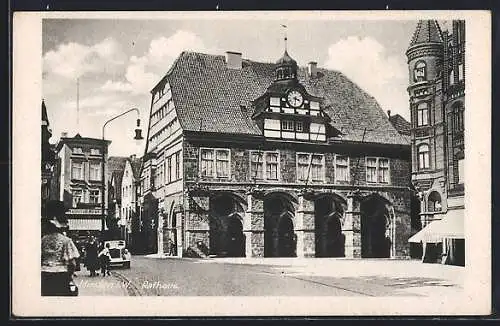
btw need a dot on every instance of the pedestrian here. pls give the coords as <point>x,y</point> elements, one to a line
<point>58,252</point>
<point>91,251</point>
<point>104,260</point>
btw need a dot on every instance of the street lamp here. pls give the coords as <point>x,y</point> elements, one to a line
<point>137,137</point>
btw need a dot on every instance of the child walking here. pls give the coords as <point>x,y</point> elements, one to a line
<point>104,259</point>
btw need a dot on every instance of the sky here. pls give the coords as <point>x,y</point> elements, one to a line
<point>117,62</point>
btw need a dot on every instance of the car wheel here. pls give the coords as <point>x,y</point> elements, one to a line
<point>126,265</point>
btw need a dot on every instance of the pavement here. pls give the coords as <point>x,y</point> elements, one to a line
<point>112,285</point>
<point>155,275</point>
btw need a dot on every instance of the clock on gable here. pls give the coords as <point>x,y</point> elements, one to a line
<point>295,98</point>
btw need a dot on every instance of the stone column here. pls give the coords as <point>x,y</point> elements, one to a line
<point>179,230</point>
<point>304,227</point>
<point>160,251</point>
<point>253,227</point>
<point>351,228</point>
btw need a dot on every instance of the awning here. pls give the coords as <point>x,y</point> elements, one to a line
<point>451,226</point>
<point>84,224</point>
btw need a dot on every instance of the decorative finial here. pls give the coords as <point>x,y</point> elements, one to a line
<point>286,39</point>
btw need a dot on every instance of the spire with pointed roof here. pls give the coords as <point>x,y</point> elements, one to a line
<point>427,31</point>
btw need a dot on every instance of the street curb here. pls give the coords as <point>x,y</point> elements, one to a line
<point>132,290</point>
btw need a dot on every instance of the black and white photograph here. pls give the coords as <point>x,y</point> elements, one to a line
<point>279,163</point>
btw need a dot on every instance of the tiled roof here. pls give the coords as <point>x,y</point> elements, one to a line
<point>135,163</point>
<point>400,124</point>
<point>427,31</point>
<point>115,164</point>
<point>211,97</point>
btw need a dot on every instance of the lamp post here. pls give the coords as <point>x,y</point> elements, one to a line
<point>138,136</point>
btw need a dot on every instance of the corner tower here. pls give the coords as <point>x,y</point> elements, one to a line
<point>428,126</point>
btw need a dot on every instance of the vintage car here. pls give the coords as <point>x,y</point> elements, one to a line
<point>119,253</point>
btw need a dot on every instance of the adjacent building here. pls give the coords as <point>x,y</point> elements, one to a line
<point>79,182</point>
<point>437,72</point>
<point>114,174</point>
<point>48,159</point>
<point>253,159</point>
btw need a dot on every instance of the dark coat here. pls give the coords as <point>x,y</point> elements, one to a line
<point>91,252</point>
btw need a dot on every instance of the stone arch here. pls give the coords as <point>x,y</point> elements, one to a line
<point>279,217</point>
<point>226,236</point>
<point>375,214</point>
<point>329,210</point>
<point>434,201</point>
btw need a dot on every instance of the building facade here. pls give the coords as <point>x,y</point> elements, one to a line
<point>436,63</point>
<point>48,160</point>
<point>79,182</point>
<point>128,198</point>
<point>255,159</point>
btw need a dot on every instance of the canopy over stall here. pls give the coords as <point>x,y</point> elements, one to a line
<point>451,226</point>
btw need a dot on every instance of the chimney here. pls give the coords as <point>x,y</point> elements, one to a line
<point>64,134</point>
<point>313,69</point>
<point>233,60</point>
<point>389,113</point>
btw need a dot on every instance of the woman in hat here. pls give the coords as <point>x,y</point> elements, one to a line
<point>58,252</point>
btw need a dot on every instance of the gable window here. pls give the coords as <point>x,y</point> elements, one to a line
<point>287,125</point>
<point>94,197</point>
<point>310,167</point>
<point>95,171</point>
<point>215,162</point>
<point>77,170</point>
<point>419,72</point>
<point>423,156</point>
<point>95,151</point>
<point>77,150</point>
<point>422,114</point>
<point>77,195</point>
<point>377,170</point>
<point>341,168</point>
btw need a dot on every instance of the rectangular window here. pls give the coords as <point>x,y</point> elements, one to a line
<point>422,114</point>
<point>341,168</point>
<point>377,170</point>
<point>272,166</point>
<point>177,165</point>
<point>95,171</point>
<point>95,197</point>
<point>77,170</point>
<point>207,162</point>
<point>299,126</point>
<point>77,196</point>
<point>310,167</point>
<point>460,72</point>
<point>383,170</point>
<point>222,163</point>
<point>169,169</point>
<point>302,166</point>
<point>256,165</point>
<point>371,170</point>
<point>287,125</point>
<point>95,151</point>
<point>317,168</point>
<point>77,150</point>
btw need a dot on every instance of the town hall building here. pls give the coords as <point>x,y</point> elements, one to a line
<point>253,159</point>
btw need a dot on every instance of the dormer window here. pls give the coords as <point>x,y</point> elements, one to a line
<point>77,150</point>
<point>420,71</point>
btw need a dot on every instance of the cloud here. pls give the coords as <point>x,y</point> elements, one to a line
<point>72,60</point>
<point>366,62</point>
<point>145,71</point>
<point>116,86</point>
